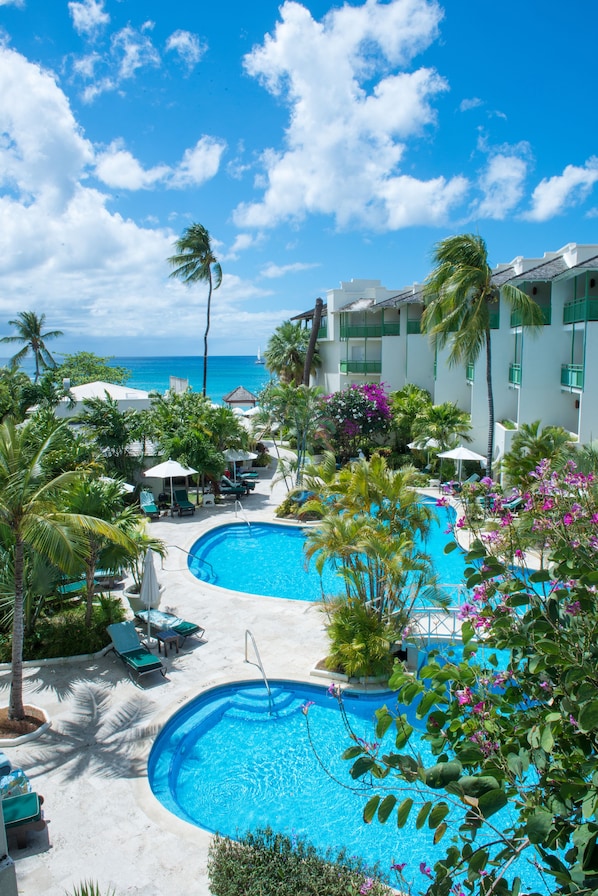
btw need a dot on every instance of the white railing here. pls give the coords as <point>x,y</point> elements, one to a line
<point>259,664</point>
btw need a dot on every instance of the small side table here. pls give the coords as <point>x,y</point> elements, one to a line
<point>167,638</point>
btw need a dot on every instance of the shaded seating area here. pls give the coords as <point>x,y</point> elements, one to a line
<point>137,659</point>
<point>148,505</point>
<point>228,487</point>
<point>181,503</point>
<point>162,621</point>
<point>455,486</point>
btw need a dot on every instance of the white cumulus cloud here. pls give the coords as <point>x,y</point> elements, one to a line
<point>279,270</point>
<point>188,46</point>
<point>351,113</point>
<point>200,163</point>
<point>554,194</point>
<point>88,16</point>
<point>502,185</point>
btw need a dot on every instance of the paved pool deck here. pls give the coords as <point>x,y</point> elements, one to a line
<point>104,824</point>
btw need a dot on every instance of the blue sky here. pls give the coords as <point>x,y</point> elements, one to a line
<point>316,141</point>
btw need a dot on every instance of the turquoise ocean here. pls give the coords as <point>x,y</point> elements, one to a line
<point>225,373</point>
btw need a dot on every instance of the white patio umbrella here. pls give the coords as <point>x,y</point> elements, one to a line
<point>168,470</point>
<point>235,455</point>
<point>461,453</point>
<point>150,589</point>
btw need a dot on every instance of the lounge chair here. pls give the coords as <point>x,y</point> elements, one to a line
<point>181,503</point>
<point>126,644</point>
<point>23,813</point>
<point>228,487</point>
<point>161,621</point>
<point>148,505</point>
<point>514,505</point>
<point>453,486</point>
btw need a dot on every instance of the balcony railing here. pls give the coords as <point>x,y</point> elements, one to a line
<point>370,331</point>
<point>470,373</point>
<point>323,330</point>
<point>515,373</point>
<point>580,310</point>
<point>517,317</point>
<point>572,375</point>
<point>361,366</point>
<point>494,320</point>
<point>413,326</point>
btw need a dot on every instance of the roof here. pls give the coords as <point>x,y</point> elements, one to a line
<point>547,270</point>
<point>240,395</point>
<point>358,305</point>
<point>308,315</point>
<point>411,296</point>
<point>99,389</point>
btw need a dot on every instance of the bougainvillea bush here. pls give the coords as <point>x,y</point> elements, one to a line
<point>520,736</point>
<point>356,414</point>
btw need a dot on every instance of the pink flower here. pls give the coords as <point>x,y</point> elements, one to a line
<point>463,696</point>
<point>398,866</point>
<point>425,869</point>
<point>305,707</point>
<point>568,519</point>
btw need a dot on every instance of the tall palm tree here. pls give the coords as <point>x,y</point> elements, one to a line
<point>444,425</point>
<point>195,261</point>
<point>29,328</point>
<point>286,352</point>
<point>532,444</point>
<point>460,295</point>
<point>32,521</point>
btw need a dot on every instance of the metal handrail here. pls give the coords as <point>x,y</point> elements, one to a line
<point>239,506</point>
<point>260,666</point>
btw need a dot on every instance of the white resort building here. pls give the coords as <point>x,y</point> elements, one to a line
<point>372,334</point>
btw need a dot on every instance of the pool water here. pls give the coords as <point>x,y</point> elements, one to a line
<point>268,559</point>
<point>224,764</point>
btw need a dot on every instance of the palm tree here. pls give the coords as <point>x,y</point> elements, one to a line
<point>460,295</point>
<point>195,260</point>
<point>442,425</point>
<point>287,350</point>
<point>29,328</point>
<point>531,445</point>
<point>32,521</point>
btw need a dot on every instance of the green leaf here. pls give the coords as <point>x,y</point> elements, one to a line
<point>384,722</point>
<point>352,752</point>
<point>370,809</point>
<point>541,575</point>
<point>438,814</point>
<point>588,717</point>
<point>440,832</point>
<point>386,807</point>
<point>547,740</point>
<point>450,547</point>
<point>538,826</point>
<point>362,766</point>
<point>403,812</point>
<point>422,815</point>
<point>491,802</point>
<point>479,860</point>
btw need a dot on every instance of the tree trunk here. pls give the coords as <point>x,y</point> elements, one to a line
<point>16,710</point>
<point>205,340</point>
<point>313,338</point>
<point>490,450</point>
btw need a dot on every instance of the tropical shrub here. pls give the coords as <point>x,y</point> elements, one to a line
<point>360,642</point>
<point>265,863</point>
<point>523,737</point>
<point>356,415</point>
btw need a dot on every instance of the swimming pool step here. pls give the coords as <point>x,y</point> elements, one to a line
<point>253,703</point>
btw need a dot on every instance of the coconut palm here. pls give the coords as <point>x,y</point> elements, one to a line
<point>287,350</point>
<point>443,424</point>
<point>32,521</point>
<point>195,261</point>
<point>29,328</point>
<point>460,295</point>
<point>406,405</point>
<point>530,445</point>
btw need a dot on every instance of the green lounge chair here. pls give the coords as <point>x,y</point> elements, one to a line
<point>228,487</point>
<point>126,644</point>
<point>181,503</point>
<point>148,505</point>
<point>23,813</point>
<point>161,621</point>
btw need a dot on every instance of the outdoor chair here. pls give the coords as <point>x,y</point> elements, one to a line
<point>454,486</point>
<point>228,487</point>
<point>160,621</point>
<point>148,505</point>
<point>126,644</point>
<point>181,503</point>
<point>23,813</point>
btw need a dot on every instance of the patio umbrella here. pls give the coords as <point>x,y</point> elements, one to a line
<point>236,455</point>
<point>168,470</point>
<point>150,589</point>
<point>461,453</point>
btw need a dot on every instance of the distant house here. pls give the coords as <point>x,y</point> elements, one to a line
<point>125,397</point>
<point>240,398</point>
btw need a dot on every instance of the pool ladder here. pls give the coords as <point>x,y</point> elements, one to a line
<point>259,664</point>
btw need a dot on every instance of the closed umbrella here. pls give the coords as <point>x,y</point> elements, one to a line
<point>150,589</point>
<point>461,453</point>
<point>169,470</point>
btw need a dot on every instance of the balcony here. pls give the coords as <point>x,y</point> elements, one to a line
<point>323,330</point>
<point>494,320</point>
<point>470,373</point>
<point>515,374</point>
<point>580,310</point>
<point>370,331</point>
<point>413,326</point>
<point>516,316</point>
<point>572,376</point>
<point>361,366</point>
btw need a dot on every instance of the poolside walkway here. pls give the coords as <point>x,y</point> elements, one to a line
<point>104,824</point>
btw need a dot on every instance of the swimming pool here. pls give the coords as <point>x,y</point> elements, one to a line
<point>224,764</point>
<point>268,559</point>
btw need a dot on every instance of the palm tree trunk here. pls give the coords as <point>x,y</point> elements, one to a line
<point>490,450</point>
<point>313,338</point>
<point>16,710</point>
<point>205,339</point>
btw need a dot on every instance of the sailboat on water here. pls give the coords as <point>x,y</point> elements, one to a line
<point>259,359</point>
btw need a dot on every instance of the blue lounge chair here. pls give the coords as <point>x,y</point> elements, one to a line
<point>181,503</point>
<point>148,505</point>
<point>161,621</point>
<point>127,646</point>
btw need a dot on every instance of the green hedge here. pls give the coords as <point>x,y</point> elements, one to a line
<point>268,864</point>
